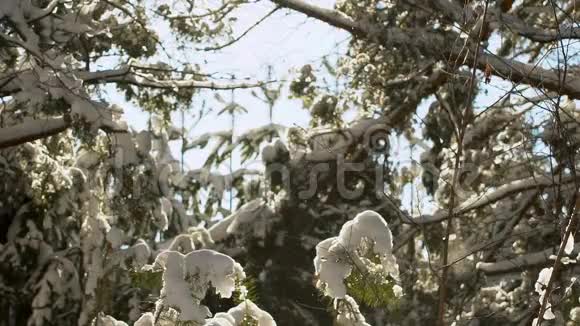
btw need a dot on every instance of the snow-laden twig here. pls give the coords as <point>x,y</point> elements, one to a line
<point>492,196</point>
<point>520,262</point>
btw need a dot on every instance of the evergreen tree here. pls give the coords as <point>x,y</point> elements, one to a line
<point>103,225</point>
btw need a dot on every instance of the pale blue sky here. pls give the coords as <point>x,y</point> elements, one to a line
<point>285,41</point>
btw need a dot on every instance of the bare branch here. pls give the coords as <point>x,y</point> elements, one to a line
<point>219,47</point>
<point>41,13</point>
<point>329,16</point>
<point>535,182</point>
<point>31,130</point>
<point>536,34</point>
<point>124,75</point>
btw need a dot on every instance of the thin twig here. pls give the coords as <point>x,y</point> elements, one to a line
<point>465,120</point>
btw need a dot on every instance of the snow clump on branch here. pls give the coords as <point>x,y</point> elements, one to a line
<point>186,279</point>
<point>359,258</point>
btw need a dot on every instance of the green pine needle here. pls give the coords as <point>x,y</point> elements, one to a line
<point>372,289</point>
<point>146,279</point>
<point>251,285</point>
